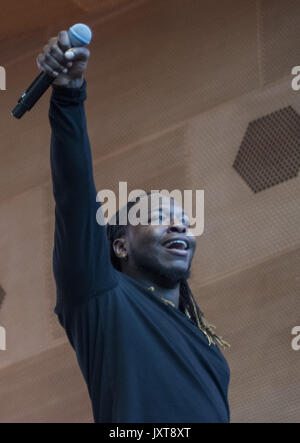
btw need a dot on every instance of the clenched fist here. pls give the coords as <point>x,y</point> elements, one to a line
<point>67,65</point>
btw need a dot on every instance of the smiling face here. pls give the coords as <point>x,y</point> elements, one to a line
<point>161,247</point>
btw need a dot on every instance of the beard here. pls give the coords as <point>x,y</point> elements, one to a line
<point>170,274</point>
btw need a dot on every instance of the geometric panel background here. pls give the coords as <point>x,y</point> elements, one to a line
<point>270,151</point>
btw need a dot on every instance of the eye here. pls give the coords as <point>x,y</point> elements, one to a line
<point>159,217</point>
<point>184,220</point>
<point>156,217</point>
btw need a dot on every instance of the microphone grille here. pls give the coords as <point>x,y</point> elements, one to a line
<point>80,34</point>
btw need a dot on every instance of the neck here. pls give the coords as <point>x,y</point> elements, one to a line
<point>163,287</point>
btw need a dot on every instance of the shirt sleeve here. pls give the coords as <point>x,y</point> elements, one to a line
<point>81,259</point>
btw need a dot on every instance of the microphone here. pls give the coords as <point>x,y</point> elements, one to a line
<point>80,35</point>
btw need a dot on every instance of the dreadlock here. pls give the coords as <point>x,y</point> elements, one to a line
<point>187,302</point>
<point>191,309</point>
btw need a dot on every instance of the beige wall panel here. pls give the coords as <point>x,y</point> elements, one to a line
<point>24,143</point>
<point>172,86</point>
<point>47,388</point>
<point>20,38</point>
<point>25,310</point>
<point>19,17</point>
<point>150,68</point>
<point>279,23</point>
<point>106,6</point>
<point>241,227</point>
<point>159,163</point>
<point>165,62</point>
<point>255,310</point>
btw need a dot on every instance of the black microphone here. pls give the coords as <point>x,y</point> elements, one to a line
<point>80,35</point>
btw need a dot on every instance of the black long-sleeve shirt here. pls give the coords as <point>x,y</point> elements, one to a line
<point>142,359</point>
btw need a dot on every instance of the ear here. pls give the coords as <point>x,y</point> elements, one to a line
<point>120,247</point>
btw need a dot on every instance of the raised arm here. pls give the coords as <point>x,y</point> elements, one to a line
<point>81,261</point>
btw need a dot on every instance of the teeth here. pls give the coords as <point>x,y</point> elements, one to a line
<point>182,242</point>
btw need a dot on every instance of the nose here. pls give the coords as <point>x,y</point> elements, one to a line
<point>177,227</point>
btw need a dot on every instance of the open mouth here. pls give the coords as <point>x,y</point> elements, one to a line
<point>177,246</point>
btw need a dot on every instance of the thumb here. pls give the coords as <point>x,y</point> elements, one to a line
<point>79,53</point>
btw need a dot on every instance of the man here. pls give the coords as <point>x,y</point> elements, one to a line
<point>143,346</point>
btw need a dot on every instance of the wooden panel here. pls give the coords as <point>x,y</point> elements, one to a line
<point>255,310</point>
<point>150,68</point>
<point>24,268</point>
<point>241,228</point>
<point>158,163</point>
<point>19,18</point>
<point>23,16</point>
<point>168,105</point>
<point>280,36</point>
<point>165,62</point>
<point>103,5</point>
<point>47,388</point>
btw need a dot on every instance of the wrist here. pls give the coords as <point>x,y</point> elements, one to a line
<point>69,95</point>
<point>76,83</point>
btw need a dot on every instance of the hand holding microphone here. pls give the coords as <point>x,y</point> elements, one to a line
<point>58,60</point>
<point>63,62</point>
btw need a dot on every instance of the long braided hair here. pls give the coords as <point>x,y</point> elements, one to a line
<point>187,302</point>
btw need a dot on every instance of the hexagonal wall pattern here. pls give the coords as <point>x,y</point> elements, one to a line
<point>270,150</point>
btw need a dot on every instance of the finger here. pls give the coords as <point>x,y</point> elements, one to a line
<point>79,53</point>
<point>63,41</point>
<point>39,59</point>
<point>43,66</point>
<point>49,70</point>
<point>57,53</point>
<point>51,42</point>
<point>55,65</point>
